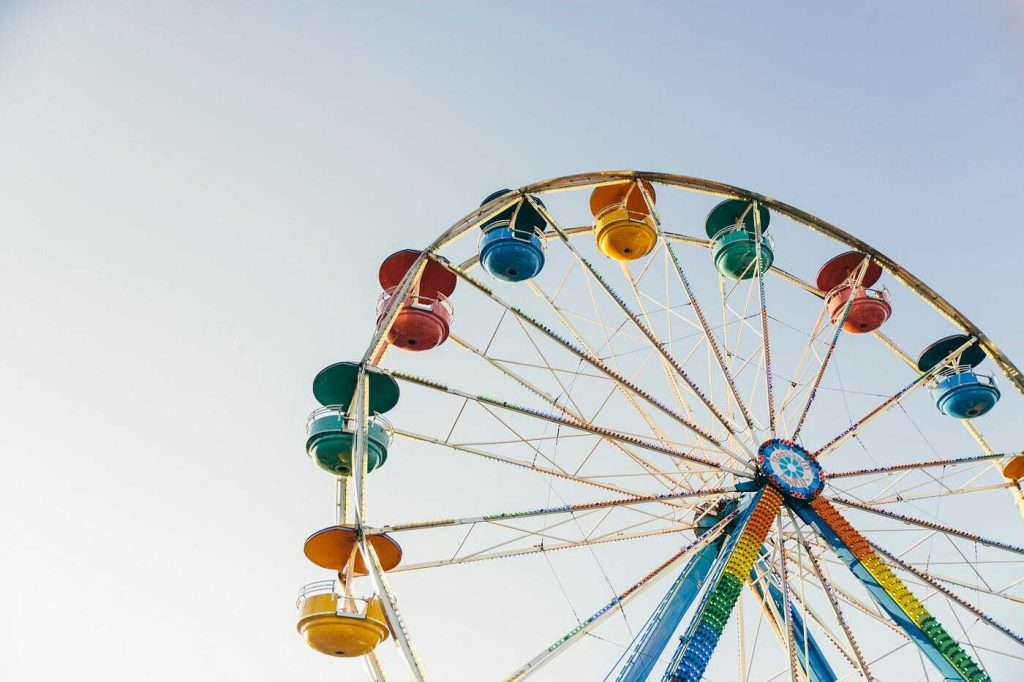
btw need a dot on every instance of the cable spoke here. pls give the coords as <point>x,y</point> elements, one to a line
<point>670,482</point>
<point>537,549</point>
<point>590,481</point>
<point>930,525</point>
<point>698,311</point>
<point>893,468</point>
<point>623,390</point>
<point>647,332</point>
<point>574,635</point>
<point>601,366</point>
<point>890,401</point>
<point>571,423</point>
<point>563,509</point>
<point>861,271</point>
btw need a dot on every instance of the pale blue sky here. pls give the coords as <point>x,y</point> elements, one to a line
<point>195,197</point>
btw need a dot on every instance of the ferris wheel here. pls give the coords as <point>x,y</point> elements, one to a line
<point>716,387</point>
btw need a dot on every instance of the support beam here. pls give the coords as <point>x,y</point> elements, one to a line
<point>562,644</point>
<point>698,643</point>
<point>670,612</point>
<point>811,657</point>
<point>930,525</point>
<point>922,575</point>
<point>394,616</point>
<point>890,593</point>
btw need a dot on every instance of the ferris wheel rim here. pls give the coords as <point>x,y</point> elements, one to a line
<point>716,188</point>
<point>686,183</point>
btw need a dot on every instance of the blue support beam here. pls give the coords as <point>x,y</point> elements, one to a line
<point>670,611</point>
<point>882,597</point>
<point>818,669</point>
<point>746,508</point>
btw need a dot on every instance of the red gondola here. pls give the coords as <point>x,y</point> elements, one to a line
<point>426,314</point>
<point>870,307</point>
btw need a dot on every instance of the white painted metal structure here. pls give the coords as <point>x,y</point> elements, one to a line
<point>649,387</point>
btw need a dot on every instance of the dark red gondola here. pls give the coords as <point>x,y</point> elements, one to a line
<point>870,307</point>
<point>425,317</point>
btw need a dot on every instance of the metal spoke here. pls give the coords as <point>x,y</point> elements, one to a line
<point>941,493</point>
<point>930,525</point>
<point>909,466</point>
<point>523,464</point>
<point>861,271</point>
<point>826,587</point>
<point>390,604</point>
<point>571,423</point>
<point>950,595</point>
<point>765,338</point>
<point>359,446</point>
<point>378,344</point>
<point>977,588</point>
<point>787,622</point>
<point>563,509</point>
<point>698,311</point>
<point>890,401</point>
<point>562,644</point>
<point>537,549</point>
<point>374,668</point>
<point>644,329</point>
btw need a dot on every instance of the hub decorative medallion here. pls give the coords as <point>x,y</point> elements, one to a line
<point>790,468</point>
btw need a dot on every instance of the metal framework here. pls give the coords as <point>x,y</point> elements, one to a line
<point>604,393</point>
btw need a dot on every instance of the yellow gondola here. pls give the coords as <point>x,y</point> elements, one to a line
<point>335,625</point>
<point>623,224</point>
<point>1014,469</point>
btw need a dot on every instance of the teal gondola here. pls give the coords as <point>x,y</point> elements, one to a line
<point>732,230</point>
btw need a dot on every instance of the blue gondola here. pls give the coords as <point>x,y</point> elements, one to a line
<point>512,247</point>
<point>958,390</point>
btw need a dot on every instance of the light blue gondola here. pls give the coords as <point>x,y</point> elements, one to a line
<point>958,390</point>
<point>512,247</point>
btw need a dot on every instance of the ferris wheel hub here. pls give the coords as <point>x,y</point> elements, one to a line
<point>790,468</point>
